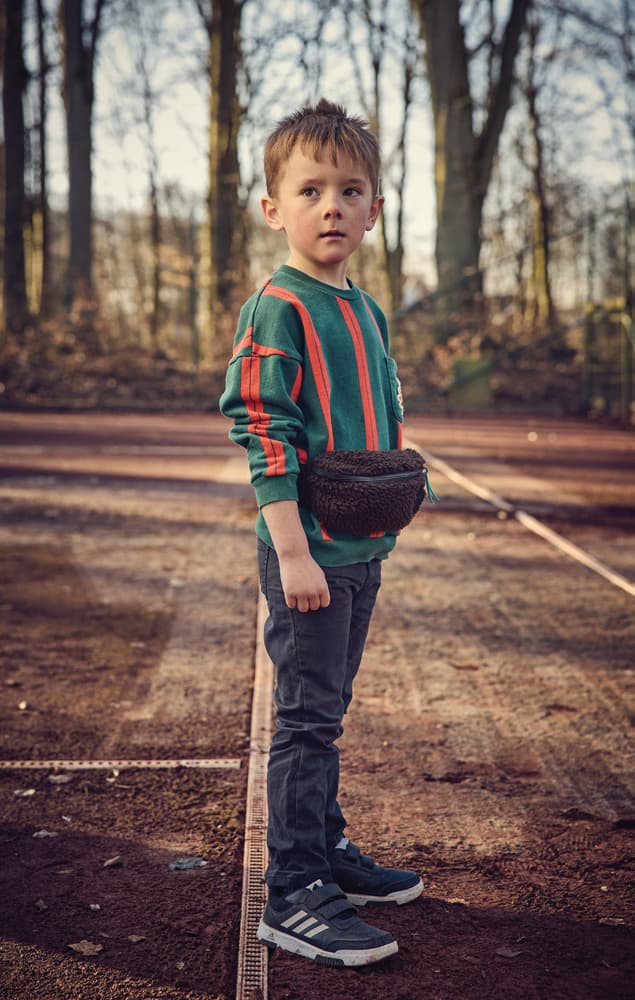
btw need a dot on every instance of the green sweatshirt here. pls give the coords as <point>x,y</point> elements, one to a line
<point>310,373</point>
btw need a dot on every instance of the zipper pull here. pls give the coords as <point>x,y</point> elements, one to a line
<point>430,494</point>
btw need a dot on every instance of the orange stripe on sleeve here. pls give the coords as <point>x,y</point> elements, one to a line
<point>259,419</point>
<point>297,385</point>
<point>245,342</point>
<point>267,352</point>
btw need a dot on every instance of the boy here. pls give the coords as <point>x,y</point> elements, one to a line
<point>310,373</point>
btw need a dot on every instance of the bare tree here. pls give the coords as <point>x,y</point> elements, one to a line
<point>80,45</point>
<point>14,82</point>
<point>222,20</point>
<point>41,21</point>
<point>153,169</point>
<point>381,35</point>
<point>541,249</point>
<point>464,152</point>
<point>607,35</point>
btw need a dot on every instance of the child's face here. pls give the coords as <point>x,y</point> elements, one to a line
<point>324,209</point>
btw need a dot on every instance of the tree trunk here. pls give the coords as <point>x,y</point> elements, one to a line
<point>154,319</point>
<point>79,57</point>
<point>375,43</point>
<point>43,206</point>
<point>541,270</point>
<point>225,223</point>
<point>14,81</point>
<point>463,157</point>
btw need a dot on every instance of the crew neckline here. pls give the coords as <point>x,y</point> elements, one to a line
<point>352,292</point>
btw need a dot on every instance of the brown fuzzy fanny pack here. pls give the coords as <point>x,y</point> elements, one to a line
<point>365,492</point>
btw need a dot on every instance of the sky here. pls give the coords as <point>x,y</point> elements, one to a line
<point>175,65</point>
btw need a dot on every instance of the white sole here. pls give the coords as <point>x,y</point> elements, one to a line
<point>273,937</point>
<point>400,897</point>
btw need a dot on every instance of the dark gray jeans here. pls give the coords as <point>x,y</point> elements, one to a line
<point>316,655</point>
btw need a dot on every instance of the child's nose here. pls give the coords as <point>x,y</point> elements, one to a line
<point>332,205</point>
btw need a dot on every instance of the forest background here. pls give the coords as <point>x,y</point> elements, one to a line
<point>131,178</point>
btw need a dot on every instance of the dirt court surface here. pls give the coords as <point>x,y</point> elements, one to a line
<point>489,744</point>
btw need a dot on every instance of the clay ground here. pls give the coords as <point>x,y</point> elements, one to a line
<point>489,744</point>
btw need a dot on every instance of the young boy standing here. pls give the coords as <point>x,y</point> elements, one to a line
<point>310,373</point>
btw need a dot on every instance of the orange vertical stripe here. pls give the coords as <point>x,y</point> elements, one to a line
<point>297,385</point>
<point>318,365</point>
<point>259,419</point>
<point>368,405</point>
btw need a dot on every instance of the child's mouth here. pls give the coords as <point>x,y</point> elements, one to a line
<point>331,233</point>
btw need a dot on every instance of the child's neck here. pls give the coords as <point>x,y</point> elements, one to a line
<point>335,276</point>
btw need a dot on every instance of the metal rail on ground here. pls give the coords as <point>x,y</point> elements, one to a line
<point>528,521</point>
<point>227,763</point>
<point>251,982</point>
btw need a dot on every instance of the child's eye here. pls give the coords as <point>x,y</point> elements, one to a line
<point>352,192</point>
<point>308,192</point>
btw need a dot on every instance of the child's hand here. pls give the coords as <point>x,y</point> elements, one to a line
<point>304,584</point>
<point>303,581</point>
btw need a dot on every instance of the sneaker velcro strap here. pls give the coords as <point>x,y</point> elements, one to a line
<point>353,853</point>
<point>329,900</point>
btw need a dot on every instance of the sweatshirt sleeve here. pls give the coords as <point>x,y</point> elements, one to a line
<point>262,386</point>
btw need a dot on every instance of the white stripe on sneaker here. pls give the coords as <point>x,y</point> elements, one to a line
<point>316,930</point>
<point>294,918</point>
<point>301,928</point>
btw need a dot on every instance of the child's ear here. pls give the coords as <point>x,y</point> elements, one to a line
<point>375,209</point>
<point>271,214</point>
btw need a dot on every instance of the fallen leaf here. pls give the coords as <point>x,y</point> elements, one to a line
<point>612,921</point>
<point>113,862</point>
<point>87,947</point>
<point>41,834</point>
<point>604,888</point>
<point>574,812</point>
<point>26,794</point>
<point>624,823</point>
<point>60,779</point>
<point>23,706</point>
<point>183,863</point>
<point>40,905</point>
<point>506,952</point>
<point>94,906</point>
<point>180,965</point>
<point>135,938</point>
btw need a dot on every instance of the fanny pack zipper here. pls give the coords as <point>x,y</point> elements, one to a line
<point>386,477</point>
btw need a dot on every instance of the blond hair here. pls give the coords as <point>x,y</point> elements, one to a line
<point>328,127</point>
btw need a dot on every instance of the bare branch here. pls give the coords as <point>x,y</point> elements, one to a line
<point>94,31</point>
<point>501,95</point>
<point>582,16</point>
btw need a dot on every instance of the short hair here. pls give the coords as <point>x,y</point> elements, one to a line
<point>325,126</point>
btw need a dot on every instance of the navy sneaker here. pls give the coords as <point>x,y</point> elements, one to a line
<point>320,923</point>
<point>365,882</point>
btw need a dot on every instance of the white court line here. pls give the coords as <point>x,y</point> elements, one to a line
<point>225,763</point>
<point>529,522</point>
